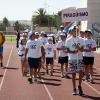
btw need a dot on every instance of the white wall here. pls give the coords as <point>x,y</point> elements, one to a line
<point>94,14</point>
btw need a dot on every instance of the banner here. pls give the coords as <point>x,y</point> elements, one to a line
<point>80,14</point>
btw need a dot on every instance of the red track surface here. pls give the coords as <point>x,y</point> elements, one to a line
<point>15,87</point>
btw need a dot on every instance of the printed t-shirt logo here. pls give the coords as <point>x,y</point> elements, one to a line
<point>33,46</point>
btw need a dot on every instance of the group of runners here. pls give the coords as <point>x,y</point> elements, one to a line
<point>75,54</point>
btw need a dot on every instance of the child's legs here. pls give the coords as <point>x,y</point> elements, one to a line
<point>80,78</point>
<point>39,64</point>
<point>23,65</point>
<point>74,80</point>
<point>35,72</point>
<point>51,61</point>
<point>31,72</point>
<point>26,65</point>
<point>91,70</point>
<point>62,67</point>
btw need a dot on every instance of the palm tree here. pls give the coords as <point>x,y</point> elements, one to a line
<point>40,18</point>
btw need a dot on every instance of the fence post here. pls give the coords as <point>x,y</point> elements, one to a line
<point>11,38</point>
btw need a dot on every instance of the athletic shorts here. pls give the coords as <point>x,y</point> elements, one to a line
<point>49,60</point>
<point>33,62</point>
<point>72,66</point>
<point>88,60</point>
<point>63,60</point>
<point>40,60</point>
<point>1,49</point>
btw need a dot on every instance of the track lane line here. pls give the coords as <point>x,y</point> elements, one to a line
<point>6,67</point>
<point>86,84</point>
<point>51,98</point>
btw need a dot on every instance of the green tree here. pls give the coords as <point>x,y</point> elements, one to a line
<point>17,25</point>
<point>5,22</point>
<point>40,18</point>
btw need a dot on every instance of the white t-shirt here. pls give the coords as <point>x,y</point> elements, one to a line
<point>49,50</point>
<point>44,40</point>
<point>34,48</point>
<point>61,52</point>
<point>21,53</point>
<point>70,43</point>
<point>89,42</point>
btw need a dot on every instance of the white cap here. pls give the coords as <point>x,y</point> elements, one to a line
<point>24,34</point>
<point>51,35</point>
<point>88,30</point>
<point>50,38</point>
<point>62,34</point>
<point>36,33</point>
<point>61,26</point>
<point>26,30</point>
<point>42,32</point>
<point>30,33</point>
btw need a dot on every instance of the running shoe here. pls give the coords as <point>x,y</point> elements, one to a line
<point>1,64</point>
<point>51,73</point>
<point>91,80</point>
<point>30,79</point>
<point>35,79</point>
<point>47,71</point>
<point>39,74</point>
<point>86,79</point>
<point>74,92</point>
<point>62,75</point>
<point>67,76</point>
<point>80,92</point>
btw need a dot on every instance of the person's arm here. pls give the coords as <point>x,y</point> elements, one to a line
<point>42,50</point>
<point>54,54</point>
<point>3,40</point>
<point>72,52</point>
<point>26,51</point>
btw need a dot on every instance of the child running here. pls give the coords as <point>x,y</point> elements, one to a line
<point>50,51</point>
<point>21,53</point>
<point>32,52</point>
<point>63,56</point>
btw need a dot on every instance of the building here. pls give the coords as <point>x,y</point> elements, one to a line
<point>94,22</point>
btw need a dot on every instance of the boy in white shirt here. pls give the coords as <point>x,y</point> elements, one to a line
<point>88,59</point>
<point>50,54</point>
<point>32,51</point>
<point>75,46</point>
<point>63,56</point>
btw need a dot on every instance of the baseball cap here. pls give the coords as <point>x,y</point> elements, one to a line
<point>50,38</point>
<point>30,33</point>
<point>61,26</point>
<point>74,27</point>
<point>51,35</point>
<point>42,32</point>
<point>26,31</point>
<point>88,30</point>
<point>62,34</point>
<point>24,34</point>
<point>82,32</point>
<point>64,31</point>
<point>36,33</point>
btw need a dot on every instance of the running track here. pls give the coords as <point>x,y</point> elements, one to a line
<point>15,87</point>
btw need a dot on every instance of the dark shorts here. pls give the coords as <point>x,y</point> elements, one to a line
<point>1,49</point>
<point>49,60</point>
<point>33,62</point>
<point>63,60</point>
<point>40,59</point>
<point>88,60</point>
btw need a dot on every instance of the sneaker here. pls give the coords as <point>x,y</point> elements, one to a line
<point>51,73</point>
<point>80,92</point>
<point>74,92</point>
<point>47,71</point>
<point>86,79</point>
<point>39,74</point>
<point>67,76</point>
<point>91,80</point>
<point>1,64</point>
<point>62,75</point>
<point>35,79</point>
<point>30,79</point>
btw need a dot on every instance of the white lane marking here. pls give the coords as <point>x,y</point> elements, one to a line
<point>6,68</point>
<point>88,85</point>
<point>51,98</point>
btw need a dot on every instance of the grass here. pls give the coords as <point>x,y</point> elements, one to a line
<point>10,38</point>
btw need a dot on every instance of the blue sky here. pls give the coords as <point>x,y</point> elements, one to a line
<point>24,9</point>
